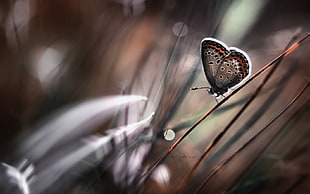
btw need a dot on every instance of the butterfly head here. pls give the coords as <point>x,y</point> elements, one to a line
<point>211,91</point>
<point>214,92</point>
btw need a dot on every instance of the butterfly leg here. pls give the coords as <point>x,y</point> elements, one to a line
<point>217,96</point>
<point>216,100</point>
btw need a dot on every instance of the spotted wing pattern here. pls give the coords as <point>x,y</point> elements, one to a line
<point>224,67</point>
<point>213,53</point>
<point>233,69</point>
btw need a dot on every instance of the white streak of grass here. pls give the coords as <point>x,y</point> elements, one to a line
<point>99,145</point>
<point>74,122</point>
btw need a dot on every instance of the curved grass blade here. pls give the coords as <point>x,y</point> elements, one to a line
<point>93,149</point>
<point>234,119</point>
<point>218,167</point>
<point>86,117</point>
<point>178,141</point>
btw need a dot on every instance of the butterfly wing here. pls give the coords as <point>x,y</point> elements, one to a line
<point>234,68</point>
<point>212,54</point>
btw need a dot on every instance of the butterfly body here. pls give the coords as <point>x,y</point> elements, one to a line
<point>225,67</point>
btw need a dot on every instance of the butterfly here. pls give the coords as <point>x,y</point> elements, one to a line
<point>225,67</point>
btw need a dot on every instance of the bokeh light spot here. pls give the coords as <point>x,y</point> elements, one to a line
<point>180,29</point>
<point>169,135</point>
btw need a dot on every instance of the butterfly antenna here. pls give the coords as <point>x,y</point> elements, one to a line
<point>198,88</point>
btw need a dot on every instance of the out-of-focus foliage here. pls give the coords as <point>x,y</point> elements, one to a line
<point>57,56</point>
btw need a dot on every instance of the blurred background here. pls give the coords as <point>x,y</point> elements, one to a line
<point>74,74</point>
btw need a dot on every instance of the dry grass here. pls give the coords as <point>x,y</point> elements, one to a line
<point>57,56</point>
